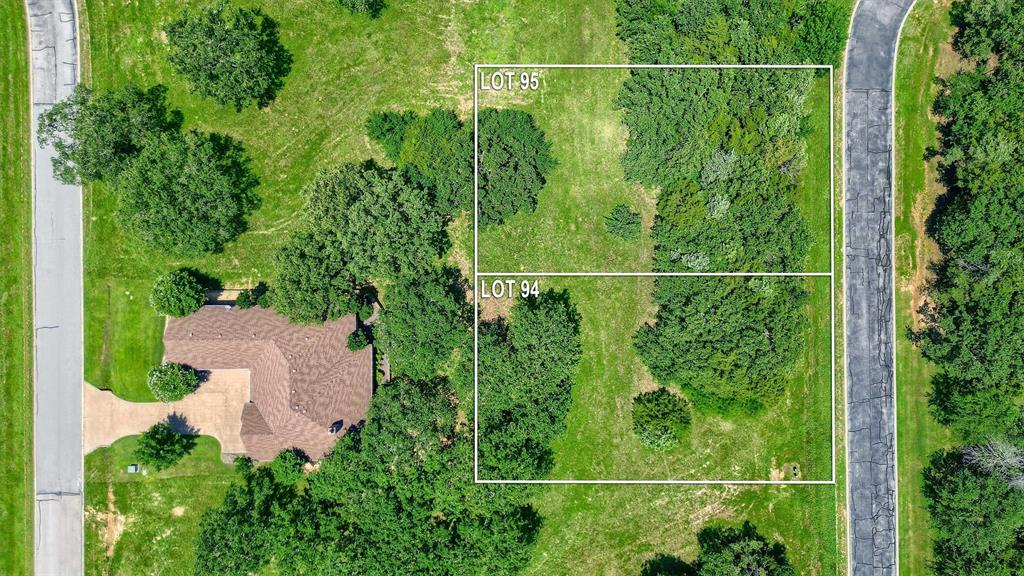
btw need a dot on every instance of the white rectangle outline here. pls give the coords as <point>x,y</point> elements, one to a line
<point>477,275</point>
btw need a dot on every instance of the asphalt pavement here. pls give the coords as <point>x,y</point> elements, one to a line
<point>870,360</point>
<point>57,275</point>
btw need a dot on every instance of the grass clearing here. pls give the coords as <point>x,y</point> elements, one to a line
<point>146,523</point>
<point>924,53</point>
<point>416,56</point>
<point>16,498</point>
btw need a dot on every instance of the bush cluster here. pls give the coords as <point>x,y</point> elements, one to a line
<point>161,447</point>
<point>171,382</point>
<point>623,223</point>
<point>660,418</point>
<point>177,293</point>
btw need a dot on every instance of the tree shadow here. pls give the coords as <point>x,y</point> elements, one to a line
<point>180,425</point>
<point>275,54</point>
<point>667,565</point>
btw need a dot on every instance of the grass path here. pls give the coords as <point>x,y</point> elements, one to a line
<point>15,296</point>
<point>924,53</point>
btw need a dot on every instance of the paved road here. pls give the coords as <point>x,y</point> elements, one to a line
<point>870,56</point>
<point>57,269</point>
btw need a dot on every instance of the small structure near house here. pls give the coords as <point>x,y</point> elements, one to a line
<point>133,468</point>
<point>302,379</point>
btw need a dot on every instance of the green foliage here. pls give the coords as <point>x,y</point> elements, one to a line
<point>422,322</point>
<point>252,297</point>
<point>388,130</point>
<point>161,447</point>
<point>660,418</point>
<point>96,134</point>
<point>988,26</point>
<point>821,31</point>
<point>386,225</point>
<point>372,8</point>
<point>736,551</point>
<point>186,194</point>
<point>726,342</point>
<point>243,533</point>
<point>177,293</point>
<point>170,382</point>
<point>514,161</point>
<point>287,467</point>
<point>440,148</point>
<point>313,284</point>
<point>230,54</point>
<point>623,223</point>
<point>358,339</point>
<point>527,368</point>
<point>976,518</point>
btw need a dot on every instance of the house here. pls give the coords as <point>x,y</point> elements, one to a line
<point>306,388</point>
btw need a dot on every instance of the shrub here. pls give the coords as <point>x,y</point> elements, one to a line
<point>287,467</point>
<point>372,8</point>
<point>358,339</point>
<point>230,54</point>
<point>252,297</point>
<point>161,447</point>
<point>388,130</point>
<point>170,382</point>
<point>515,159</point>
<point>660,418</point>
<point>186,194</point>
<point>95,134</point>
<point>177,293</point>
<point>623,223</point>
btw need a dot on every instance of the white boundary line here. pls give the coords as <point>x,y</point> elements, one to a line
<point>477,274</point>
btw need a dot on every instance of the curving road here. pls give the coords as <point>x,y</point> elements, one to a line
<point>870,394</point>
<point>57,276</point>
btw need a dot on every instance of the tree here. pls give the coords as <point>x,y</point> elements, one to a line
<point>727,343</point>
<point>287,467</point>
<point>422,322</point>
<point>386,225</point>
<point>358,339</point>
<point>95,134</point>
<point>161,447</point>
<point>177,293</point>
<point>623,223</point>
<point>821,33</point>
<point>251,297</point>
<point>440,148</point>
<point>976,518</point>
<point>246,530</point>
<point>170,382</point>
<point>985,27</point>
<point>313,284</point>
<point>527,367</point>
<point>733,552</point>
<point>388,130</point>
<point>186,194</point>
<point>371,8</point>
<point>514,161</point>
<point>660,418</point>
<point>230,54</point>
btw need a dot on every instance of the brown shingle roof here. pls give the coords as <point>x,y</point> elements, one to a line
<point>303,379</point>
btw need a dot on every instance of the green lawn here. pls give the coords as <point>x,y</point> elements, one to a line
<point>924,53</point>
<point>146,523</point>
<point>15,296</point>
<point>418,55</point>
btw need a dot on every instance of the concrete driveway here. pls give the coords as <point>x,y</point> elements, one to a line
<point>214,410</point>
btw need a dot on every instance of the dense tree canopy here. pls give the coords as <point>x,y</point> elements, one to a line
<point>386,224</point>
<point>976,517</point>
<point>95,134</point>
<point>228,53</point>
<point>740,551</point>
<point>186,194</point>
<point>177,293</point>
<point>313,284</point>
<point>161,447</point>
<point>388,130</point>
<point>422,321</point>
<point>170,382</point>
<point>527,368</point>
<point>514,161</point>
<point>440,147</point>
<point>623,223</point>
<point>724,341</point>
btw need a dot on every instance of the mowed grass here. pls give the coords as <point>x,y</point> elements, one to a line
<point>16,494</point>
<point>567,231</point>
<point>147,523</point>
<point>418,55</point>
<point>924,53</point>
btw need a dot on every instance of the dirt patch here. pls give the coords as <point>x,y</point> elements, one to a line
<point>788,471</point>
<point>494,308</point>
<point>113,523</point>
<point>178,511</point>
